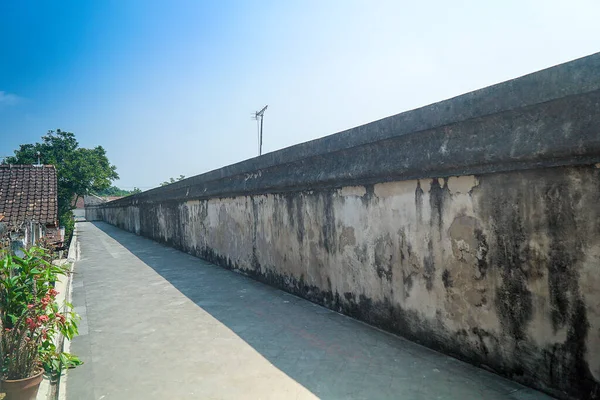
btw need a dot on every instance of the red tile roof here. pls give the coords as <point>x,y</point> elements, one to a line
<point>28,193</point>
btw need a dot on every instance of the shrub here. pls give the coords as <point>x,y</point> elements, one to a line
<point>31,318</point>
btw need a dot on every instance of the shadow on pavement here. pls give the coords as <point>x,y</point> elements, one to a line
<point>331,355</point>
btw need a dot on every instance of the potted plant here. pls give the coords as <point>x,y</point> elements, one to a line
<point>30,322</point>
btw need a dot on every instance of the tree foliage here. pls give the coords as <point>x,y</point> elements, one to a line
<point>115,191</point>
<point>173,180</point>
<point>79,171</point>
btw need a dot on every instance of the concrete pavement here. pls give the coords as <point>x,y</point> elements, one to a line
<point>161,324</point>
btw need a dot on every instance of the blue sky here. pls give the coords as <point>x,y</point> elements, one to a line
<point>168,87</point>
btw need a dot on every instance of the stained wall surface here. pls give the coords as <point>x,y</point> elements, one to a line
<point>471,225</point>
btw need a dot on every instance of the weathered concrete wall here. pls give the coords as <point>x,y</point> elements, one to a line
<point>476,233</point>
<point>93,213</point>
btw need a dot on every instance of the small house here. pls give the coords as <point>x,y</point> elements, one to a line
<point>28,204</point>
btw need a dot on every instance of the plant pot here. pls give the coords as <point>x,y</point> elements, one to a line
<point>22,389</point>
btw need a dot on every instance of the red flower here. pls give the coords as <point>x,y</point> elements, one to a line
<point>61,318</point>
<point>45,301</point>
<point>52,293</point>
<point>44,334</point>
<point>31,324</point>
<point>43,318</point>
<point>30,306</point>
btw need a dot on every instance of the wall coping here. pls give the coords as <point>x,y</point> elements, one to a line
<point>547,118</point>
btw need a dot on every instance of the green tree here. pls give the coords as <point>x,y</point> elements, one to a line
<point>79,171</point>
<point>112,191</point>
<point>115,191</point>
<point>173,180</point>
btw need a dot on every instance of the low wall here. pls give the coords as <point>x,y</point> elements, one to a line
<point>471,225</point>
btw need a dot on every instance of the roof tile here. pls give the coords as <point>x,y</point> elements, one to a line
<point>28,192</point>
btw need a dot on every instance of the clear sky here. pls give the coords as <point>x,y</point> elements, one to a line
<point>168,87</point>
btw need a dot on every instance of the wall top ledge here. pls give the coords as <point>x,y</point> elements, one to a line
<point>544,119</point>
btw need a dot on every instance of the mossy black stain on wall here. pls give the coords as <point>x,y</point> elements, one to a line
<point>557,204</point>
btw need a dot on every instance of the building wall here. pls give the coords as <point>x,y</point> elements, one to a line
<point>471,225</point>
<point>92,200</point>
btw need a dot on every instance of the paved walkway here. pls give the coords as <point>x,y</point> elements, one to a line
<point>161,324</point>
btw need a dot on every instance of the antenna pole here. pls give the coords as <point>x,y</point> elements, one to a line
<point>257,134</point>
<point>260,143</point>
<point>260,114</point>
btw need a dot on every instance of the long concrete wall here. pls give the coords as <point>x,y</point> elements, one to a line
<point>471,225</point>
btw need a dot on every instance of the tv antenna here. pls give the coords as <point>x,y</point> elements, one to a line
<point>259,126</point>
